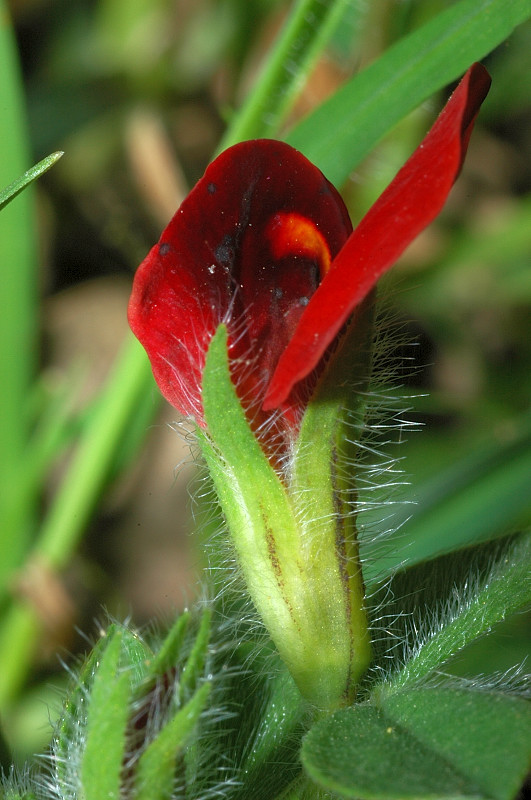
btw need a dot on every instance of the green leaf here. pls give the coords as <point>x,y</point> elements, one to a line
<point>155,776</point>
<point>74,711</point>
<point>343,130</point>
<point>132,654</point>
<point>430,743</point>
<point>359,753</point>
<point>279,723</point>
<point>136,655</point>
<point>193,669</point>
<point>17,787</point>
<point>505,589</point>
<point>107,717</point>
<point>54,430</point>
<point>484,735</point>
<point>11,191</point>
<point>168,653</point>
<point>268,717</point>
<point>476,499</point>
<point>420,600</point>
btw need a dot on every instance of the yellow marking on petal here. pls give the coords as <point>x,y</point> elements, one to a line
<point>293,234</point>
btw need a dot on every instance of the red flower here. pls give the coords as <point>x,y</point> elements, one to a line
<point>264,243</point>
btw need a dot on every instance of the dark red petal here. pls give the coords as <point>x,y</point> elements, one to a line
<point>247,247</point>
<point>170,311</point>
<point>409,204</point>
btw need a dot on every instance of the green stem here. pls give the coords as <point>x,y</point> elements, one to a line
<point>303,38</point>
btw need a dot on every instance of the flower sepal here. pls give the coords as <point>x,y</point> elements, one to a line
<point>302,573</point>
<point>323,483</point>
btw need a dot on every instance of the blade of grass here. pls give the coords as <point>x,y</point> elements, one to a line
<point>19,636</point>
<point>74,503</point>
<point>17,186</point>
<point>86,477</point>
<point>18,319</point>
<point>304,36</point>
<point>54,430</point>
<point>342,131</point>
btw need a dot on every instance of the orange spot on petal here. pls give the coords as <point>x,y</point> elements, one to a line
<point>293,234</point>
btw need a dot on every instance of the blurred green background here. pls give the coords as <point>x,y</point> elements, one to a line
<point>138,93</point>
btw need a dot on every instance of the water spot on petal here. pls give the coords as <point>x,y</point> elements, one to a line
<point>225,251</point>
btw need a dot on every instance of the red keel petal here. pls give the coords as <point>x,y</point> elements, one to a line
<point>406,207</point>
<point>247,247</point>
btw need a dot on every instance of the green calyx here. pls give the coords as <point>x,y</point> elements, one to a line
<point>294,534</point>
<point>130,722</point>
<point>323,469</point>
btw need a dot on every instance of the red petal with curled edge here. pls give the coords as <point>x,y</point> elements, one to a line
<point>406,207</point>
<point>248,247</point>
